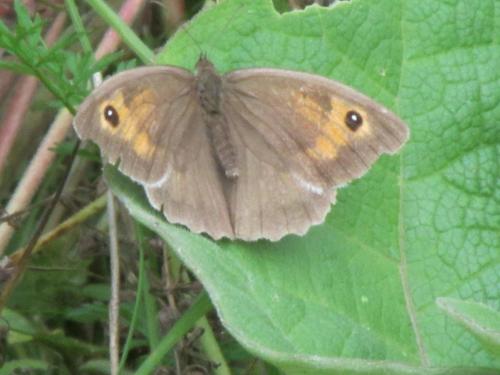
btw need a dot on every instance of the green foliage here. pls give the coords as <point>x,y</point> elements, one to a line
<point>358,294</point>
<point>402,278</point>
<point>65,73</point>
<point>25,364</point>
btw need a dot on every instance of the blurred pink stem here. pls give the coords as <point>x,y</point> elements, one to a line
<point>44,156</point>
<point>23,94</point>
<point>111,39</point>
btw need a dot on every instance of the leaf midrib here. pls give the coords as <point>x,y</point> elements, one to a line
<point>403,266</point>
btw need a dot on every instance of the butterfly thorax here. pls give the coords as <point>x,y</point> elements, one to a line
<point>209,91</point>
<point>208,85</point>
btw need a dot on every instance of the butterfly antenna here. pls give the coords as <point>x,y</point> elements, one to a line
<point>184,27</point>
<point>231,19</point>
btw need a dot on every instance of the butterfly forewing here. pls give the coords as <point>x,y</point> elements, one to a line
<point>134,116</point>
<point>314,120</point>
<point>298,137</point>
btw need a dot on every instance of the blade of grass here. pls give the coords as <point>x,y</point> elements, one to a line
<point>211,348</point>
<point>200,307</point>
<point>139,295</point>
<point>78,24</point>
<point>128,36</point>
<point>151,310</point>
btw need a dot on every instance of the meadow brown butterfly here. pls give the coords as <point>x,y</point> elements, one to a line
<point>251,154</point>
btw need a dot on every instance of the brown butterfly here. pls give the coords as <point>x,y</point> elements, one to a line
<point>254,153</point>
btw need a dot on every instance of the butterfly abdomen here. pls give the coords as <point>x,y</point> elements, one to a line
<point>209,89</point>
<point>222,145</point>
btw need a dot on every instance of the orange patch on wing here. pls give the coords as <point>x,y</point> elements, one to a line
<point>323,149</point>
<point>133,120</point>
<point>143,145</point>
<point>308,107</point>
<point>325,116</point>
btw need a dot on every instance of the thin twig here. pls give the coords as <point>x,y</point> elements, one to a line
<point>84,214</point>
<point>35,173</point>
<point>114,303</point>
<point>23,262</point>
<point>14,216</point>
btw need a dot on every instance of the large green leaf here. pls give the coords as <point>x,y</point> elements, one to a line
<point>358,293</point>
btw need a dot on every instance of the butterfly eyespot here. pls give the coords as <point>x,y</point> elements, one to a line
<point>111,116</point>
<point>353,120</point>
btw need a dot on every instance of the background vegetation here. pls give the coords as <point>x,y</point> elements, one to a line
<point>402,278</point>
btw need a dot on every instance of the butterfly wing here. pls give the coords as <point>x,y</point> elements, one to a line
<point>133,117</point>
<point>298,136</point>
<point>192,191</point>
<point>149,122</point>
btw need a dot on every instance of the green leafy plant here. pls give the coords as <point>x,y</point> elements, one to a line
<point>358,294</point>
<point>65,73</point>
<point>402,278</point>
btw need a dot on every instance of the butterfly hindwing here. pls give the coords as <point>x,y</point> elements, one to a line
<point>191,193</point>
